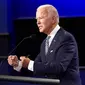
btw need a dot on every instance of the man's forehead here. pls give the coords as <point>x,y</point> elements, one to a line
<point>42,12</point>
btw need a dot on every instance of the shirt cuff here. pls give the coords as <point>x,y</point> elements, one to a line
<point>30,66</point>
<point>18,68</point>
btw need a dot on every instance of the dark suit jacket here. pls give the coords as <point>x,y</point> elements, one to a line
<point>61,61</point>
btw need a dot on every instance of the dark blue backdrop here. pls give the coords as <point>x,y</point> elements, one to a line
<point>12,9</point>
<point>66,8</point>
<point>3,16</point>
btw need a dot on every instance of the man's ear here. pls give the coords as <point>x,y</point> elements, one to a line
<point>53,19</point>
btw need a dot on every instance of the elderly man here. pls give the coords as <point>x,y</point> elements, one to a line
<point>58,57</point>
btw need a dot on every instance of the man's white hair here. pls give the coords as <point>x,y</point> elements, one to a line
<point>51,10</point>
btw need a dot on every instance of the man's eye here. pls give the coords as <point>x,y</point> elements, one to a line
<point>41,17</point>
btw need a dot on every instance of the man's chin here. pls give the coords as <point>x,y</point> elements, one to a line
<point>40,31</point>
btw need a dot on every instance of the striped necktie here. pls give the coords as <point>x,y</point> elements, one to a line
<point>47,44</point>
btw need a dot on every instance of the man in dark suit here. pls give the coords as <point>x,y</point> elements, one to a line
<point>58,57</point>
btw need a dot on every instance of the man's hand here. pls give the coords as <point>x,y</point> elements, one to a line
<point>13,60</point>
<point>25,61</point>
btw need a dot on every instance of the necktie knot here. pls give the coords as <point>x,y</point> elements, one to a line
<point>48,37</point>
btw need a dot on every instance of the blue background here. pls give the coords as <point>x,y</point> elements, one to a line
<point>13,9</point>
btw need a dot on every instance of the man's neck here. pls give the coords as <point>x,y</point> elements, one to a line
<point>52,28</point>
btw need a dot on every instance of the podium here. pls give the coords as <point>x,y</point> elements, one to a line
<point>30,80</point>
<point>8,76</point>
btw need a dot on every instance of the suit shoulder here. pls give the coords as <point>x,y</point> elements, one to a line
<point>67,35</point>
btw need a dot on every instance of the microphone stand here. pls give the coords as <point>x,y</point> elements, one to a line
<point>29,37</point>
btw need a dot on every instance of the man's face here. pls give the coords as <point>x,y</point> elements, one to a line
<point>44,21</point>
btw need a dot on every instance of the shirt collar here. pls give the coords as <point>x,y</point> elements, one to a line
<point>55,30</point>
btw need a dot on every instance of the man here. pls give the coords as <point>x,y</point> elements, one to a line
<point>59,59</point>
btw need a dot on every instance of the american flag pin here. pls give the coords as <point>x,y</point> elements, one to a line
<point>54,40</point>
<point>51,51</point>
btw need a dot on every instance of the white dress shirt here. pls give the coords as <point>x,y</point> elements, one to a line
<point>31,63</point>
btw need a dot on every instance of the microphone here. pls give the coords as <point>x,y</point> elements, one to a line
<point>29,37</point>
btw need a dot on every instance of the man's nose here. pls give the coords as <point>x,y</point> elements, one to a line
<point>38,21</point>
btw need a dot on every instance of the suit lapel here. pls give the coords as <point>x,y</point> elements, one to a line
<point>55,43</point>
<point>43,51</point>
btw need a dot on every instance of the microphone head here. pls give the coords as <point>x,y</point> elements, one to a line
<point>31,36</point>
